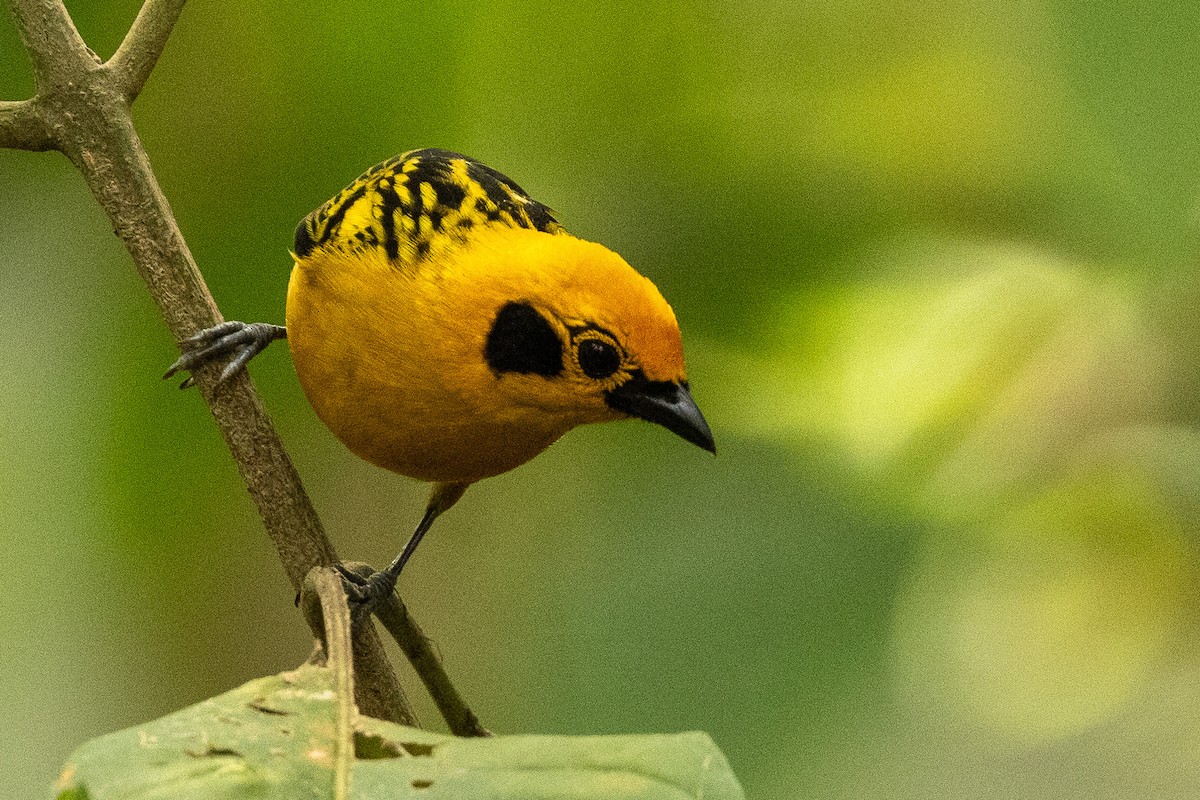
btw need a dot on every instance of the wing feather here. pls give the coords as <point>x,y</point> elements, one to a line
<point>420,202</point>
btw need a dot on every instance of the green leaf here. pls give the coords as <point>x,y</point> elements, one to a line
<point>276,738</point>
<point>647,767</point>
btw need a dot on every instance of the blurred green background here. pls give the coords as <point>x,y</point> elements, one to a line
<point>935,266</point>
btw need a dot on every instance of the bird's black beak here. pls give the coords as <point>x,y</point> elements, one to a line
<point>663,403</point>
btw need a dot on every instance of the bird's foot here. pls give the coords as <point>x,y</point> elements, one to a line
<point>365,593</point>
<point>243,340</point>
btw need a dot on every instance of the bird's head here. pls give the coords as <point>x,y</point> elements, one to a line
<point>574,332</point>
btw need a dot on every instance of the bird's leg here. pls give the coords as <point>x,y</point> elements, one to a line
<point>243,340</point>
<point>367,593</point>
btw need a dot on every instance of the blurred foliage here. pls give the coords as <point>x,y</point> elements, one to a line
<point>935,269</point>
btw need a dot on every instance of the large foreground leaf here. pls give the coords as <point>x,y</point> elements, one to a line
<point>276,738</point>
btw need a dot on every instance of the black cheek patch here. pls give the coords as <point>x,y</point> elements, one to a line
<point>521,340</point>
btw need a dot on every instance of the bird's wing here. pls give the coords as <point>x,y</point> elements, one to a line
<point>419,202</point>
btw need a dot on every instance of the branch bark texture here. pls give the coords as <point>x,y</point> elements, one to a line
<point>82,108</point>
<point>134,60</point>
<point>21,126</point>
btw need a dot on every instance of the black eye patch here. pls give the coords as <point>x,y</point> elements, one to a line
<point>521,340</point>
<point>597,358</point>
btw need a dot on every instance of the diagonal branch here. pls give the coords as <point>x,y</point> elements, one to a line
<point>460,719</point>
<point>84,111</point>
<point>21,126</point>
<point>55,47</point>
<point>423,656</point>
<point>134,60</point>
<point>101,142</point>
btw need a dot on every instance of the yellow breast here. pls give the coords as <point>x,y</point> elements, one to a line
<point>392,362</point>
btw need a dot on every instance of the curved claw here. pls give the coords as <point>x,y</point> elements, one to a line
<point>365,593</point>
<point>243,340</point>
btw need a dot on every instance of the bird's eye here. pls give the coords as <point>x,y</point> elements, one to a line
<point>597,358</point>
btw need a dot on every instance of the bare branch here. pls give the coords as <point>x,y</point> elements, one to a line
<point>21,126</point>
<point>460,719</point>
<point>104,146</point>
<point>421,654</point>
<point>56,49</point>
<point>323,603</point>
<point>135,58</point>
<point>86,115</point>
<point>85,112</point>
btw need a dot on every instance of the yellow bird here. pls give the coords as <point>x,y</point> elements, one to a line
<point>446,327</point>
